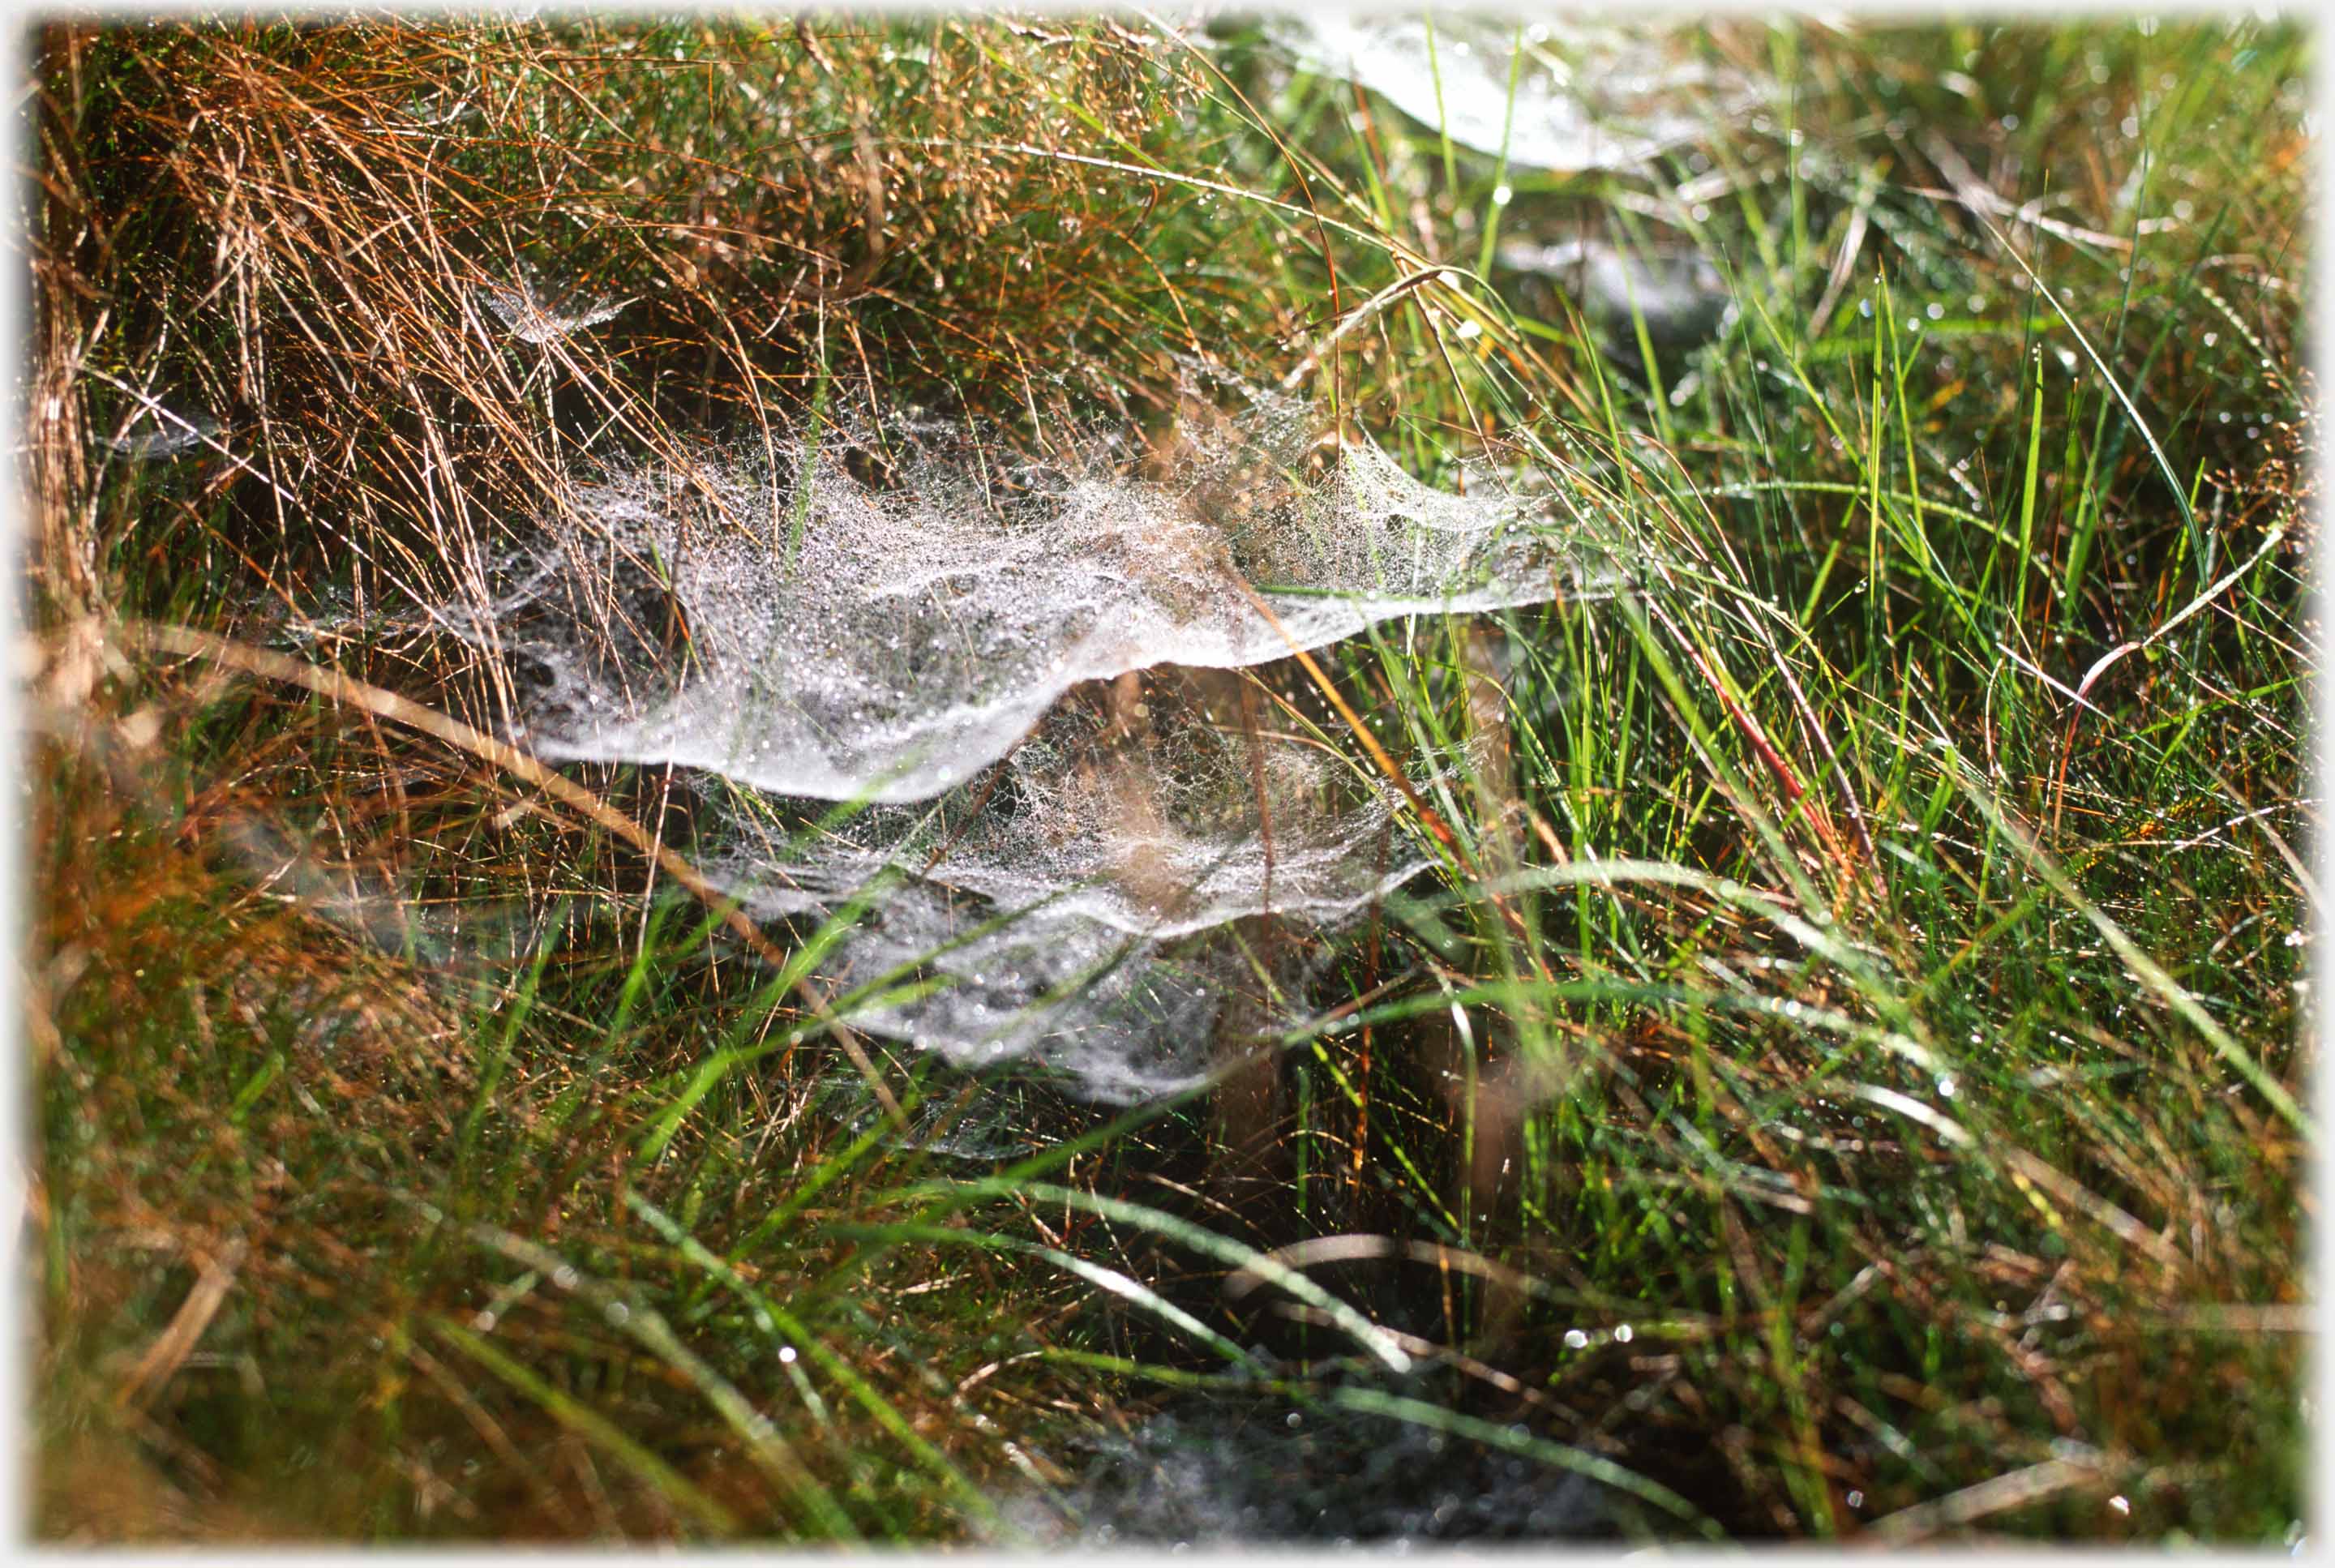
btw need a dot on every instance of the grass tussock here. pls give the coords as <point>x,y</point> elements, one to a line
<point>1846,1075</point>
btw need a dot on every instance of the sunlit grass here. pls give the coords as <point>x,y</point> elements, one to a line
<point>1845,1075</point>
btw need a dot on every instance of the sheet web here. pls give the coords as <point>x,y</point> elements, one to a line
<point>1108,901</point>
<point>1073,831</point>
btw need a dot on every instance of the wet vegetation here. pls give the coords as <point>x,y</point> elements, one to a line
<point>1842,1072</point>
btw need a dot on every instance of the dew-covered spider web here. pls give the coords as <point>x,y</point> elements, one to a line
<point>1130,885</point>
<point>1072,836</point>
<point>1563,93</point>
<point>855,612</point>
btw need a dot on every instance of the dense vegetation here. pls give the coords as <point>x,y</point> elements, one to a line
<point>1902,1130</point>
